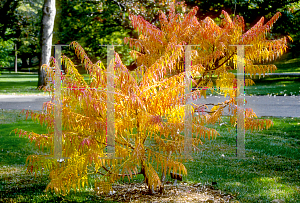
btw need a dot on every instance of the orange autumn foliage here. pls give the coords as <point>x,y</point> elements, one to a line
<point>149,101</point>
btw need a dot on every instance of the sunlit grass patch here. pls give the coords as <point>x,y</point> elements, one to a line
<point>287,64</point>
<point>23,84</point>
<point>275,85</point>
<point>19,84</point>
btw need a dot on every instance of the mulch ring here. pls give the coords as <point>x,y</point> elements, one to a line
<point>138,192</point>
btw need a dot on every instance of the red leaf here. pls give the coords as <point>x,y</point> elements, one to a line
<point>27,114</point>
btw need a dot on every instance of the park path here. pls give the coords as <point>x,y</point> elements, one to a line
<point>19,102</point>
<point>278,106</point>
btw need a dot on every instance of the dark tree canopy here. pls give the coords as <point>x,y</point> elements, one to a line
<point>107,22</point>
<point>20,24</point>
<point>253,10</point>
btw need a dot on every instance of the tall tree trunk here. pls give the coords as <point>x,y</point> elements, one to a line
<point>49,12</point>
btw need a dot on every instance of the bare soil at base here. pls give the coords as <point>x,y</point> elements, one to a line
<point>138,192</point>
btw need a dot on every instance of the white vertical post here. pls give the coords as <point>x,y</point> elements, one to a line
<point>240,140</point>
<point>188,107</point>
<point>110,115</point>
<point>240,127</point>
<point>240,137</point>
<point>58,105</point>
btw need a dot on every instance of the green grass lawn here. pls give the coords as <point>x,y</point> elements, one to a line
<point>19,83</point>
<point>275,85</point>
<point>271,170</point>
<point>287,64</point>
<point>22,84</point>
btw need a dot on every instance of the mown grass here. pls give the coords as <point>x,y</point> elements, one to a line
<point>287,64</point>
<point>19,83</point>
<point>270,171</point>
<point>22,84</point>
<point>275,85</point>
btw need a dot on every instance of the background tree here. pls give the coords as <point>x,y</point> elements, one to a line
<point>150,102</point>
<point>289,24</point>
<point>94,23</point>
<point>254,9</point>
<point>57,22</point>
<point>29,16</point>
<point>250,10</point>
<point>46,37</point>
<point>21,26</point>
<point>6,47</point>
<point>7,17</point>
